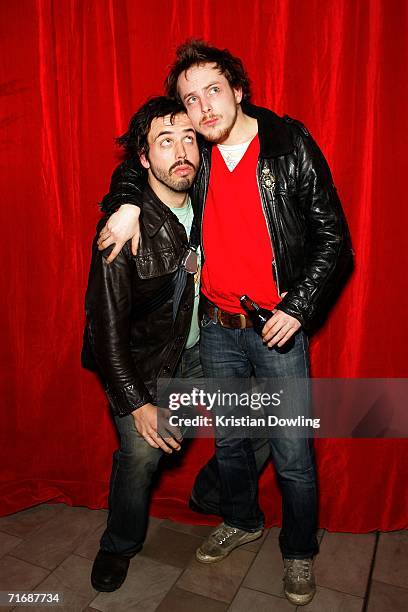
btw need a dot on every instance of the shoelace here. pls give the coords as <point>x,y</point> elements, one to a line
<point>223,533</point>
<point>298,569</point>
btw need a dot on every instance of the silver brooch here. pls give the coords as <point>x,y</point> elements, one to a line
<point>267,180</point>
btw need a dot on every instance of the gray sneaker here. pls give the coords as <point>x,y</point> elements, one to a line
<point>222,541</point>
<point>299,581</point>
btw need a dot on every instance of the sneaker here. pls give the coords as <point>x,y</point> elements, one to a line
<point>222,541</point>
<point>299,581</point>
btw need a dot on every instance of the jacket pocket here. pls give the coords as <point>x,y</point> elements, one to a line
<point>157,263</point>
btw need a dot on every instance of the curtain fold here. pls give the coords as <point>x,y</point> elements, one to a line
<point>71,75</point>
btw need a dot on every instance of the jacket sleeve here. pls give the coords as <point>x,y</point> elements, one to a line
<point>329,253</point>
<point>108,305</point>
<point>126,186</point>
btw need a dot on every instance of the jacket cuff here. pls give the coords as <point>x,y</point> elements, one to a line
<point>124,400</point>
<point>110,204</point>
<point>292,308</point>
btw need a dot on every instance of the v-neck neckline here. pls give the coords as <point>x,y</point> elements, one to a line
<point>242,158</point>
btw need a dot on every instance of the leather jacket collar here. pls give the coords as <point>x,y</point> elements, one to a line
<point>274,135</point>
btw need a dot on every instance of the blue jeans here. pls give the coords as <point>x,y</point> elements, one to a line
<point>134,466</point>
<point>240,353</point>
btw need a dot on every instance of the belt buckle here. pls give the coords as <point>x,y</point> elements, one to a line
<point>242,319</point>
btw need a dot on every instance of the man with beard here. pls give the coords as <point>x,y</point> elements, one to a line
<point>272,227</point>
<point>140,325</point>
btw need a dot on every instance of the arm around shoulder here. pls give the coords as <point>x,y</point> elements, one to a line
<point>126,186</point>
<point>124,197</point>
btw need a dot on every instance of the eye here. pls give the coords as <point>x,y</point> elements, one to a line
<point>166,142</point>
<point>214,89</point>
<point>189,139</point>
<point>191,100</point>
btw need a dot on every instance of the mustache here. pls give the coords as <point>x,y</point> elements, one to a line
<point>181,163</point>
<point>209,116</point>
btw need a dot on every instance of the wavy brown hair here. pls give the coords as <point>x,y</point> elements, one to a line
<point>195,52</point>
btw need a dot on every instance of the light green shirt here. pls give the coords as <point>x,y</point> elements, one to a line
<point>185,216</point>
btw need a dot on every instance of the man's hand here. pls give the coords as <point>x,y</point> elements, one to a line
<point>279,328</point>
<point>146,419</point>
<point>121,226</point>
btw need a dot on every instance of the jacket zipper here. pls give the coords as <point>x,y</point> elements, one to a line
<point>274,264</point>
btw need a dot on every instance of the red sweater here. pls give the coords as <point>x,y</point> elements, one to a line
<point>237,247</point>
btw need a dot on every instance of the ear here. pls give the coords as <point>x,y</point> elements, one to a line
<point>237,94</point>
<point>144,161</point>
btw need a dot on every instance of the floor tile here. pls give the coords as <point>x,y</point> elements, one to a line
<point>391,560</point>
<point>65,540</point>
<point>18,575</point>
<point>171,547</point>
<point>179,600</point>
<point>344,562</point>
<point>71,580</point>
<point>23,523</point>
<point>219,580</point>
<point>146,585</point>
<point>247,599</point>
<point>326,600</point>
<point>154,524</point>
<point>90,545</point>
<point>387,598</point>
<point>7,543</point>
<point>256,544</point>
<point>201,531</point>
<point>49,545</point>
<point>267,570</point>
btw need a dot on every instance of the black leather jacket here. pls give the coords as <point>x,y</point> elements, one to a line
<point>132,351</point>
<point>307,227</point>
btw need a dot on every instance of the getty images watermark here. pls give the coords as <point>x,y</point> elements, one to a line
<point>264,408</point>
<point>224,400</point>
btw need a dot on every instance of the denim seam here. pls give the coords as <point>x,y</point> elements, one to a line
<point>307,370</point>
<point>112,488</point>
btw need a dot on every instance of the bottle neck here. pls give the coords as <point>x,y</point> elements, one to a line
<point>249,305</point>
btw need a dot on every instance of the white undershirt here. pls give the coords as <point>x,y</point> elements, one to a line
<point>232,154</point>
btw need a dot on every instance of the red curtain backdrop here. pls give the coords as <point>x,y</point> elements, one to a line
<point>72,73</point>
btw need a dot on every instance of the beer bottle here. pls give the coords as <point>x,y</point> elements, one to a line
<point>259,316</point>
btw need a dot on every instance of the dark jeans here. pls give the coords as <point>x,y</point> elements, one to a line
<point>134,466</point>
<point>229,353</point>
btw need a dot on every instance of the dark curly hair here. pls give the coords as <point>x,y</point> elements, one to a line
<point>195,52</point>
<point>134,140</point>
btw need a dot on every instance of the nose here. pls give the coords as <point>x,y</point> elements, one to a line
<point>205,106</point>
<point>181,151</point>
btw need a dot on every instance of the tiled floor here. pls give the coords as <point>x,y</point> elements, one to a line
<point>51,548</point>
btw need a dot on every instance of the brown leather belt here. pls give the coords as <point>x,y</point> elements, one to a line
<point>229,320</point>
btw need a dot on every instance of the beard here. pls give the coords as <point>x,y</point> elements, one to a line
<point>174,182</point>
<point>214,134</point>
